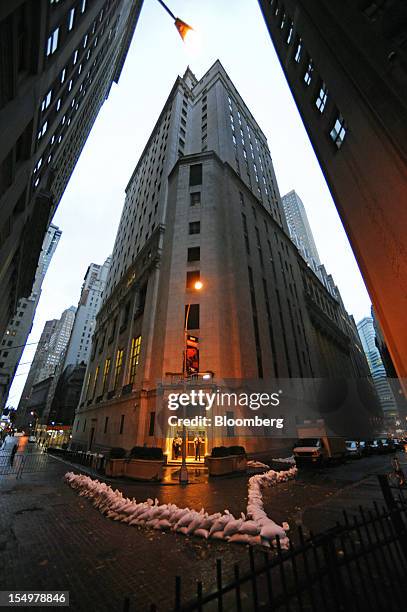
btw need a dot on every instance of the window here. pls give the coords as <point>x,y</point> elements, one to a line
<point>75,57</point>
<point>52,42</point>
<point>308,73</point>
<point>63,74</point>
<point>95,382</point>
<point>152,424</point>
<point>121,424</point>
<point>106,371</point>
<point>134,357</point>
<point>42,130</point>
<point>192,277</point>
<point>106,424</point>
<point>338,131</point>
<point>192,313</point>
<point>321,99</point>
<point>195,198</point>
<point>290,34</point>
<point>71,19</point>
<point>195,227</point>
<point>194,253</point>
<point>83,9</point>
<point>118,369</point>
<point>58,104</point>
<point>47,100</point>
<point>297,56</point>
<point>195,174</point>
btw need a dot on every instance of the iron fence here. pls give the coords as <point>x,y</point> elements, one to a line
<point>22,463</point>
<point>360,564</point>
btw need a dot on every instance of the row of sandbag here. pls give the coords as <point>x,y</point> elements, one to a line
<point>256,528</point>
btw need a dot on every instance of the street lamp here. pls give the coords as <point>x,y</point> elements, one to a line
<point>183,473</point>
<point>183,28</point>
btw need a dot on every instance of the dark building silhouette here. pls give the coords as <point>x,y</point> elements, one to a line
<point>58,61</point>
<point>67,394</point>
<point>346,65</point>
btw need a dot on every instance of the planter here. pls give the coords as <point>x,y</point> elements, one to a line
<point>240,463</point>
<point>115,467</point>
<point>144,469</point>
<point>219,466</point>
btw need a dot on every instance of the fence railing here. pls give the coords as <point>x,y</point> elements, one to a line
<point>360,564</point>
<point>22,463</point>
<point>95,461</point>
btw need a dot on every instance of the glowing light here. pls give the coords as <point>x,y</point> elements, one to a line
<point>198,285</point>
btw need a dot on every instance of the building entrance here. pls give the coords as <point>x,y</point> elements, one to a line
<point>195,444</point>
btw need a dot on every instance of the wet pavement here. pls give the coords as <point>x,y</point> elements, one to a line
<point>50,538</point>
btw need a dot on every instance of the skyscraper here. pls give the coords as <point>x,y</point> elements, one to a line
<point>345,63</point>
<point>80,341</point>
<point>51,347</point>
<point>58,62</point>
<point>299,227</point>
<point>378,371</point>
<point>204,277</point>
<point>19,327</point>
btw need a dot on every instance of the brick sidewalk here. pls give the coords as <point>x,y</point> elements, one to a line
<point>50,538</point>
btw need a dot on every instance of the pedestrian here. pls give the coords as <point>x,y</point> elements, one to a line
<point>197,443</point>
<point>12,454</point>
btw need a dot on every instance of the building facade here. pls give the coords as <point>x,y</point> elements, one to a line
<point>203,205</point>
<point>379,375</point>
<point>51,348</point>
<point>346,65</point>
<point>80,342</point>
<point>58,61</point>
<point>19,327</point>
<point>299,227</point>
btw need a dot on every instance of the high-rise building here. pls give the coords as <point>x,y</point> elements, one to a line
<point>203,205</point>
<point>19,327</point>
<point>58,61</point>
<point>80,342</point>
<point>64,393</point>
<point>51,347</point>
<point>346,65</point>
<point>299,227</point>
<point>378,371</point>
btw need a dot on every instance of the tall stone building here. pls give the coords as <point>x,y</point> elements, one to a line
<point>379,375</point>
<point>299,227</point>
<point>51,347</point>
<point>19,327</point>
<point>203,205</point>
<point>346,65</point>
<point>58,61</point>
<point>64,394</point>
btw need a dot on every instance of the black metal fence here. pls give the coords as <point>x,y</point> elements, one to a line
<point>95,461</point>
<point>360,564</point>
<point>22,463</point>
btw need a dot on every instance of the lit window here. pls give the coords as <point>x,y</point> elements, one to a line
<point>46,101</point>
<point>75,57</point>
<point>71,19</point>
<point>118,369</point>
<point>80,68</point>
<point>308,73</point>
<point>70,85</point>
<point>63,74</point>
<point>134,357</point>
<point>58,104</point>
<point>289,35</point>
<point>52,42</point>
<point>83,6</point>
<point>85,41</point>
<point>105,374</point>
<point>322,97</point>
<point>338,131</point>
<point>298,50</point>
<point>42,130</point>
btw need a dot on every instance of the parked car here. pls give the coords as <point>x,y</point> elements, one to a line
<point>374,446</point>
<point>399,444</point>
<point>353,449</point>
<point>364,448</point>
<point>32,439</point>
<point>316,446</point>
<point>387,445</point>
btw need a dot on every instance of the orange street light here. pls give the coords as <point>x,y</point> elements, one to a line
<point>198,285</point>
<point>182,27</point>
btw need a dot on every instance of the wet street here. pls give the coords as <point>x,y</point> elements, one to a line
<point>50,538</point>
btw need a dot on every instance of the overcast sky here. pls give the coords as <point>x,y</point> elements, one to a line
<point>89,212</point>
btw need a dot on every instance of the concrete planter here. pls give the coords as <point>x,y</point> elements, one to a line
<point>115,467</point>
<point>219,466</point>
<point>144,469</point>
